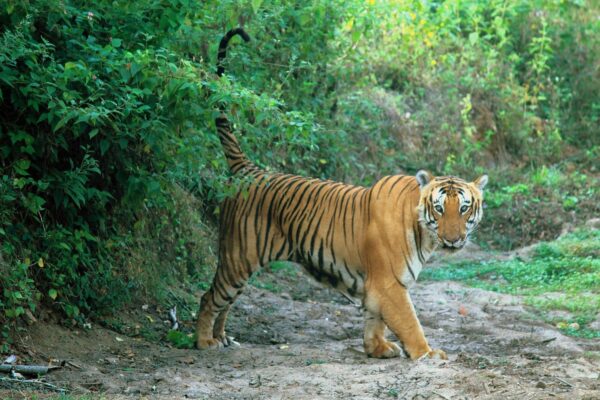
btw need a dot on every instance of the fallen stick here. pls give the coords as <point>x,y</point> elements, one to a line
<point>27,369</point>
<point>351,299</point>
<point>487,389</point>
<point>34,382</point>
<point>563,381</point>
<point>439,394</point>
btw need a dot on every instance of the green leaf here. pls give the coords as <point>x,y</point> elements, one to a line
<point>22,166</point>
<point>256,5</point>
<point>104,145</point>
<point>115,42</point>
<point>70,65</point>
<point>53,294</point>
<point>473,37</point>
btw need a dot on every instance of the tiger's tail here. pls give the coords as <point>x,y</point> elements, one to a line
<point>235,156</point>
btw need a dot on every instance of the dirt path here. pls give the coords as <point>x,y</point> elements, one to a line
<point>306,344</point>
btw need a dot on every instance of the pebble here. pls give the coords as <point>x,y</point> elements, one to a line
<point>540,385</point>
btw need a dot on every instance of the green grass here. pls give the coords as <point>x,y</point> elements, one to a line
<point>274,277</point>
<point>561,275</point>
<point>182,340</point>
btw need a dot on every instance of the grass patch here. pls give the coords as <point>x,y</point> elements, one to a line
<point>182,340</point>
<point>561,275</point>
<point>274,276</point>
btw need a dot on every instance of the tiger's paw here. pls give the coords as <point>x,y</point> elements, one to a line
<point>211,343</point>
<point>217,343</point>
<point>228,341</point>
<point>434,354</point>
<point>383,349</point>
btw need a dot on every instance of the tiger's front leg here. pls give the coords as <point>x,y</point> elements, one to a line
<point>375,342</point>
<point>392,304</point>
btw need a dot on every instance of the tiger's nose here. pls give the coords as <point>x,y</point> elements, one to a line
<point>454,242</point>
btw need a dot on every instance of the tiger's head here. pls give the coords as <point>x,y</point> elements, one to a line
<point>450,208</point>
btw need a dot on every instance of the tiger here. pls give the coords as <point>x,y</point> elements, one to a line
<point>368,242</point>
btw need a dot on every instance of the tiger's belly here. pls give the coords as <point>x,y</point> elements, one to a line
<point>339,275</point>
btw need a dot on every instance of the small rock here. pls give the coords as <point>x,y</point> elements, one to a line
<point>30,318</point>
<point>574,326</point>
<point>595,325</point>
<point>196,394</point>
<point>255,382</point>
<point>10,359</point>
<point>111,360</point>
<point>593,223</point>
<point>277,339</point>
<point>540,385</point>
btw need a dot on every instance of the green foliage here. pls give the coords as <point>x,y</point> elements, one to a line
<point>561,275</point>
<point>181,340</point>
<point>533,205</point>
<point>274,276</point>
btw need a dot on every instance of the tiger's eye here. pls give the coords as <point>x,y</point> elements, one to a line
<point>464,209</point>
<point>439,209</point>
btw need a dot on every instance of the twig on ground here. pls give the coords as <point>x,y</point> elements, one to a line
<point>546,341</point>
<point>487,389</point>
<point>34,382</point>
<point>441,395</point>
<point>74,365</point>
<point>563,381</point>
<point>351,299</point>
<point>27,369</point>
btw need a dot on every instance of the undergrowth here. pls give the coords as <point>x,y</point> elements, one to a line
<point>561,275</point>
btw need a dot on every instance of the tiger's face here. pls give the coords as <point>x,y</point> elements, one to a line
<point>450,208</point>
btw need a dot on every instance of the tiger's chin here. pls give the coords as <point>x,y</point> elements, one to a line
<point>450,249</point>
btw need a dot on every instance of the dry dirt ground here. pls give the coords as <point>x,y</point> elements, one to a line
<point>305,343</point>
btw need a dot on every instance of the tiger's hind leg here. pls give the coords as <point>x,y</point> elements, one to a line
<point>219,328</point>
<point>215,305</point>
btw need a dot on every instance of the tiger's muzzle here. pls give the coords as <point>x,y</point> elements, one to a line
<point>453,244</point>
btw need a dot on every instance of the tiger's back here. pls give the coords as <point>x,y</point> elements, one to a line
<point>315,223</point>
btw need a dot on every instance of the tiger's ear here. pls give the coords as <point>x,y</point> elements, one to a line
<point>423,177</point>
<point>481,182</point>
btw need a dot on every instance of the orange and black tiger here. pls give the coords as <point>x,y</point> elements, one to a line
<point>367,242</point>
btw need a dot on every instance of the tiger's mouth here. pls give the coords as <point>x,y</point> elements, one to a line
<point>452,249</point>
<point>452,246</point>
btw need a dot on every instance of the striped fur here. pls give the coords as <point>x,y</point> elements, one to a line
<point>367,242</point>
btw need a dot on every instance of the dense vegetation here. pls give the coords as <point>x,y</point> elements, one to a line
<point>110,171</point>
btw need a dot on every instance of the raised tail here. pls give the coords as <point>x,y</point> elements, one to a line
<point>235,156</point>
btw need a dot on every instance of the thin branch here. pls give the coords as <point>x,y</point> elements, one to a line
<point>34,382</point>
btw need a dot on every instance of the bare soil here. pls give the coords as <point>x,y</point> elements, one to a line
<point>305,343</point>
